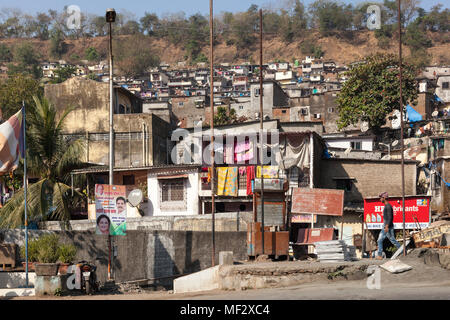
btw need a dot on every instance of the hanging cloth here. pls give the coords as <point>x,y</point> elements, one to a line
<point>295,152</point>
<point>244,151</point>
<point>269,172</point>
<point>227,181</point>
<point>250,178</point>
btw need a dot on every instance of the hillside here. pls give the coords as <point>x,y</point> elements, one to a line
<point>338,47</point>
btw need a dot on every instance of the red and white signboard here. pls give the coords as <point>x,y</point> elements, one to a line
<point>417,212</point>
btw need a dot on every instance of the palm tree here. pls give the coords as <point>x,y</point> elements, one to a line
<point>50,157</point>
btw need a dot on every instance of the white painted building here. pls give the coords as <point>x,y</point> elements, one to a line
<point>173,190</point>
<point>356,143</point>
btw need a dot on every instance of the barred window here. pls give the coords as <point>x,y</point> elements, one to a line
<point>172,190</point>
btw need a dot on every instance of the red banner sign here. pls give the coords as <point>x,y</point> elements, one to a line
<point>417,212</point>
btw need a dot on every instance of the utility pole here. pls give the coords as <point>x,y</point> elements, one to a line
<point>211,103</point>
<point>401,121</point>
<point>261,122</point>
<point>110,18</point>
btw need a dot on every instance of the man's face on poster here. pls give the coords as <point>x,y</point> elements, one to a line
<point>120,205</point>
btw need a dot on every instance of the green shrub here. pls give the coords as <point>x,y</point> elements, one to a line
<point>48,248</point>
<point>33,246</point>
<point>67,253</point>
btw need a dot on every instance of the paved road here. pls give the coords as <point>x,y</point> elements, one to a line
<point>342,290</point>
<point>336,290</point>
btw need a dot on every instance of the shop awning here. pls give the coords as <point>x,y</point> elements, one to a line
<point>177,176</point>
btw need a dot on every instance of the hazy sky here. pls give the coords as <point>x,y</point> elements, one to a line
<point>160,7</point>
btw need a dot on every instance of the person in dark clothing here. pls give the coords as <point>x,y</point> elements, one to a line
<point>388,225</point>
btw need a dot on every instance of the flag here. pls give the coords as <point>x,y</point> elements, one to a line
<point>11,142</point>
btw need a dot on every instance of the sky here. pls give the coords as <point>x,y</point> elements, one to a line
<point>160,7</point>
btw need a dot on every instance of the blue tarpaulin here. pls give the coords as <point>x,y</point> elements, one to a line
<point>436,98</point>
<point>412,115</point>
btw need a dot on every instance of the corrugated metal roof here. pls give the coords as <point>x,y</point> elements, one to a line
<point>98,169</point>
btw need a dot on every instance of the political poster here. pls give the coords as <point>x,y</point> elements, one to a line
<point>111,209</point>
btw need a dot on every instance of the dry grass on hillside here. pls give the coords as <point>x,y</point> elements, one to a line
<point>336,47</point>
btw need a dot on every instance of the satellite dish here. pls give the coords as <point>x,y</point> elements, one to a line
<point>135,197</point>
<point>364,126</point>
<point>396,121</point>
<point>395,143</point>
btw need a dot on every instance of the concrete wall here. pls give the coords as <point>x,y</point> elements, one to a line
<point>224,222</point>
<point>371,177</point>
<point>366,144</point>
<point>185,110</point>
<point>90,99</point>
<point>444,94</point>
<point>148,254</point>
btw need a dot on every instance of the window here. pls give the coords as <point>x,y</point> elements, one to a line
<point>128,180</point>
<point>241,107</point>
<point>344,184</point>
<point>180,104</point>
<point>283,111</point>
<point>356,145</point>
<point>304,111</point>
<point>316,115</point>
<point>330,110</point>
<point>445,85</point>
<point>257,92</point>
<point>172,190</point>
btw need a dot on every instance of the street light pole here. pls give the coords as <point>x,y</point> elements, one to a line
<point>211,103</point>
<point>401,121</point>
<point>110,18</point>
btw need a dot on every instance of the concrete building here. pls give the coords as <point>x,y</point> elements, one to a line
<point>365,143</point>
<point>317,107</point>
<point>174,190</point>
<point>273,96</point>
<point>193,149</point>
<point>140,138</point>
<point>443,88</point>
<point>188,110</point>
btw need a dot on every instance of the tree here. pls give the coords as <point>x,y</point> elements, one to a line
<point>437,19</point>
<point>62,74</point>
<point>57,44</point>
<point>372,91</point>
<point>150,23</point>
<point>330,16</point>
<point>223,117</point>
<point>133,56</point>
<point>51,158</point>
<point>16,89</point>
<point>91,54</point>
<point>43,22</point>
<point>26,61</point>
<point>5,53</point>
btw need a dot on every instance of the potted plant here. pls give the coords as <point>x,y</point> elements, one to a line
<point>47,255</point>
<point>67,254</point>
<point>32,254</point>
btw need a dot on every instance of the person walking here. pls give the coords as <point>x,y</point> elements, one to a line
<point>388,225</point>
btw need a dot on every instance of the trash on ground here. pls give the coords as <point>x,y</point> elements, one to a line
<point>395,266</point>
